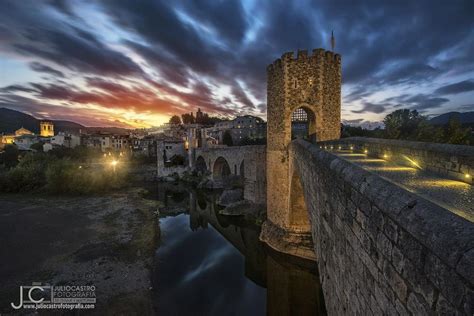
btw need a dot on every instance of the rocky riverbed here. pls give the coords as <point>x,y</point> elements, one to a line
<point>107,241</point>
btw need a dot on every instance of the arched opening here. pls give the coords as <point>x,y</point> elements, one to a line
<point>235,169</point>
<point>303,124</point>
<point>174,161</point>
<point>221,168</point>
<point>201,165</point>
<point>242,169</point>
<point>299,215</point>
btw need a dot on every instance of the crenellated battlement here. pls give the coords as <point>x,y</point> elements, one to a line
<point>317,55</point>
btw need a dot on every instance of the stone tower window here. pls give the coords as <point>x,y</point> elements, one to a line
<point>295,83</point>
<point>299,115</point>
<point>301,119</point>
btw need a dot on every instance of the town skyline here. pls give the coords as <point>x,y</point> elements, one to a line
<point>118,65</point>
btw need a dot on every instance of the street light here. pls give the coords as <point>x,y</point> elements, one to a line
<point>114,164</point>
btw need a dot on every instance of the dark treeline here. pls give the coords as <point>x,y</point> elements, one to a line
<point>188,118</point>
<point>410,125</point>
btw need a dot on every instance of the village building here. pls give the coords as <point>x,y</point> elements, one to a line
<point>240,128</point>
<point>46,129</point>
<point>66,139</point>
<point>144,145</point>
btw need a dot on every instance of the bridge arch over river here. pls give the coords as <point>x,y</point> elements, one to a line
<point>246,163</point>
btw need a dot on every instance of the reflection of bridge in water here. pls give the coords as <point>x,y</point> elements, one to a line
<point>293,286</point>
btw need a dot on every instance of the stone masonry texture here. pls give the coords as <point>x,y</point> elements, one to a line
<point>381,249</point>
<point>312,82</point>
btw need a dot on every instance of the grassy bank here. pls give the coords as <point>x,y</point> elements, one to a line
<point>73,173</point>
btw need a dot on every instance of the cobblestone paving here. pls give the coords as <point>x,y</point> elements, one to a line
<point>456,196</point>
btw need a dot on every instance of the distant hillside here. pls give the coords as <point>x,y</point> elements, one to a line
<point>11,120</point>
<point>111,130</point>
<point>63,126</point>
<point>466,118</point>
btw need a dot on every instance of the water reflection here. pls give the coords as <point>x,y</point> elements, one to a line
<point>209,264</point>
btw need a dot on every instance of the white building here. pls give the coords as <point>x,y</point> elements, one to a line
<point>24,142</point>
<point>66,140</point>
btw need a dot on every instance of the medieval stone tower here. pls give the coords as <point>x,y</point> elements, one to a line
<point>307,87</point>
<point>46,129</point>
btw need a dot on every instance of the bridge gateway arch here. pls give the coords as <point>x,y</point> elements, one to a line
<point>302,85</point>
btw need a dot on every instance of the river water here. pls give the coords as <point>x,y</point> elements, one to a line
<point>209,264</point>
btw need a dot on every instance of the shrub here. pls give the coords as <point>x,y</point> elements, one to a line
<point>43,171</point>
<point>28,175</point>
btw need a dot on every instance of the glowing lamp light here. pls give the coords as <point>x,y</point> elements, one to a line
<point>352,147</point>
<point>339,147</point>
<point>467,176</point>
<point>114,163</point>
<point>385,156</point>
<point>413,162</point>
<point>366,151</point>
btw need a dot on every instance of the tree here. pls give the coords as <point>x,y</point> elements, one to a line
<point>37,146</point>
<point>246,141</point>
<point>402,124</point>
<point>10,156</point>
<point>227,138</point>
<point>427,132</point>
<point>455,133</point>
<point>188,118</point>
<point>175,119</point>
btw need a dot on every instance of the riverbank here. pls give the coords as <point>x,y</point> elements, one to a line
<point>103,240</point>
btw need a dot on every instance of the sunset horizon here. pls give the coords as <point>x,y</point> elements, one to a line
<point>136,64</point>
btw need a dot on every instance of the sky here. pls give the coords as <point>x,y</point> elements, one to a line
<point>136,63</point>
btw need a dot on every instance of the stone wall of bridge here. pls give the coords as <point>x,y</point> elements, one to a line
<point>381,249</point>
<point>247,162</point>
<point>452,161</point>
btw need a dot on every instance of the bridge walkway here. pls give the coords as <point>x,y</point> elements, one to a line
<point>455,196</point>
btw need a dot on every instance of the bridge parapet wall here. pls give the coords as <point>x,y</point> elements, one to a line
<point>381,249</point>
<point>453,161</point>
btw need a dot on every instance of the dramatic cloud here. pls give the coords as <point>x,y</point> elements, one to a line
<point>455,88</point>
<point>39,67</point>
<point>370,107</point>
<point>138,62</point>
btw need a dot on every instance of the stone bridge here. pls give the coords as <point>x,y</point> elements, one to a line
<point>244,162</point>
<point>380,249</point>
